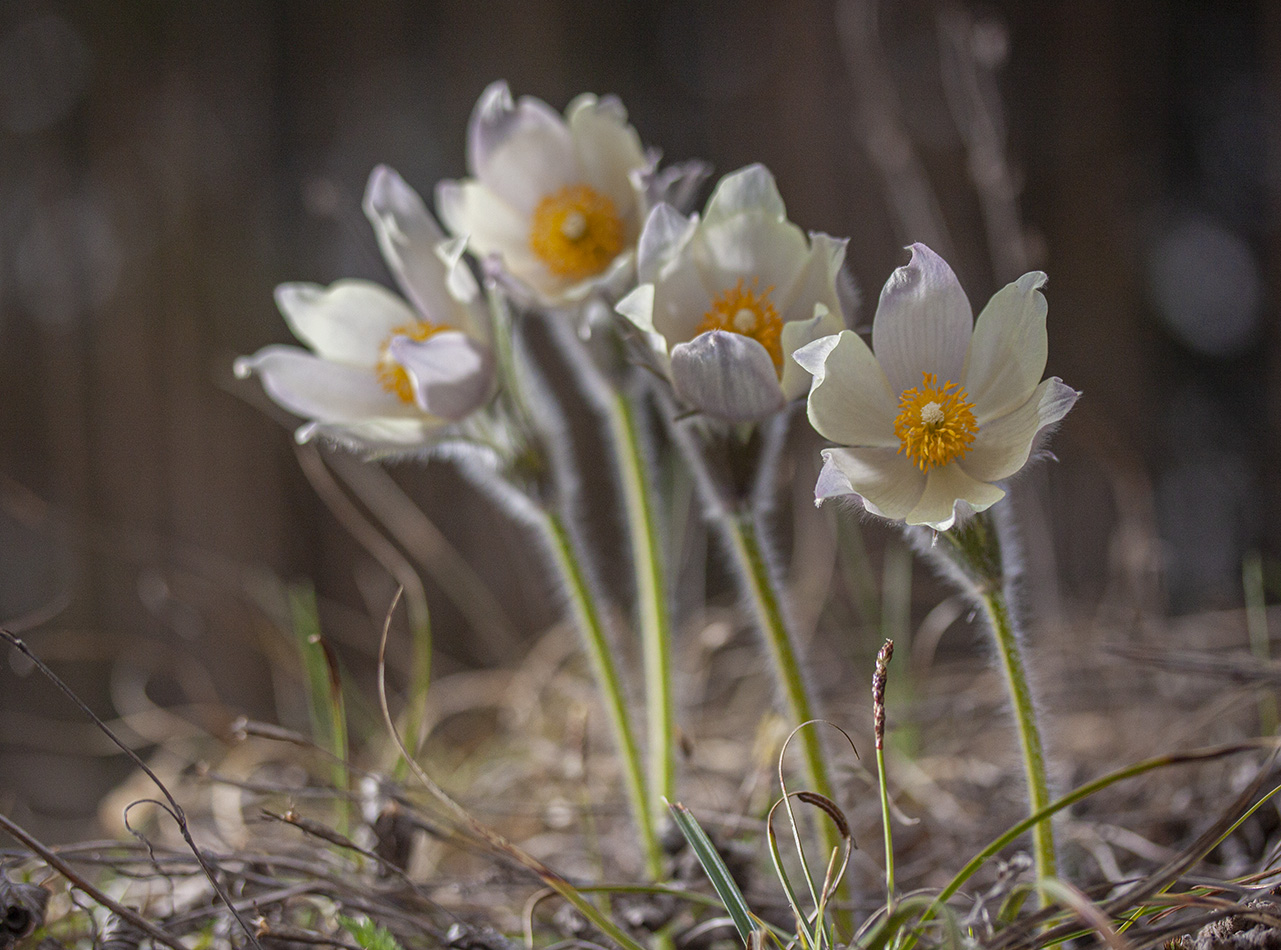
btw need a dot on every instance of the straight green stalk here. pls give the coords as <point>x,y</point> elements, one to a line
<point>654,620</point>
<point>587,618</point>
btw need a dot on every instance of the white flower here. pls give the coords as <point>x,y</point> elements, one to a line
<point>724,301</point>
<point>946,408</point>
<point>384,373</point>
<point>558,201</point>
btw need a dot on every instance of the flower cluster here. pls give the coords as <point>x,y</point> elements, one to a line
<point>737,307</point>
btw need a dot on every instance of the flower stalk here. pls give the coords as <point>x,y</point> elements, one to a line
<point>879,679</point>
<point>587,617</point>
<point>979,562</point>
<point>653,616</point>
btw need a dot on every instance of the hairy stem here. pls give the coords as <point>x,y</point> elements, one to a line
<point>587,617</point>
<point>761,588</point>
<point>654,619</point>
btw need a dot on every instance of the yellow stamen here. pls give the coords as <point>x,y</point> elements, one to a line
<point>576,232</point>
<point>740,309</point>
<point>391,375</point>
<point>935,424</point>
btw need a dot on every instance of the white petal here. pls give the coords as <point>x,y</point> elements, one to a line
<point>665,233</point>
<point>411,243</point>
<point>944,487</point>
<point>815,281</point>
<point>608,150</point>
<point>889,484</point>
<point>490,224</point>
<point>726,375</point>
<point>750,189</point>
<point>683,296</point>
<point>923,322</point>
<point>798,333</point>
<point>1003,445</point>
<point>522,152</point>
<point>1008,350</point>
<point>309,386</point>
<point>850,400</point>
<point>349,321</point>
<point>452,373</point>
<point>374,435</point>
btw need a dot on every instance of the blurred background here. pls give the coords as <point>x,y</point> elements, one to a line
<point>163,165</point>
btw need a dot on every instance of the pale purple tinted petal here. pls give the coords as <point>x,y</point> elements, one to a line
<point>889,484</point>
<point>452,373</point>
<point>850,401</point>
<point>1008,350</point>
<point>522,152</point>
<point>944,487</point>
<point>923,322</point>
<point>349,321</point>
<point>1003,445</point>
<point>410,241</point>
<point>726,375</point>
<point>666,231</point>
<point>309,386</point>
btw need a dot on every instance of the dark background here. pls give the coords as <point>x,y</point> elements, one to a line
<point>163,165</point>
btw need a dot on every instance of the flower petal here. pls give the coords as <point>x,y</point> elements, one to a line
<point>1008,349</point>
<point>437,283</point>
<point>452,373</point>
<point>726,375</point>
<point>850,400</point>
<point>923,322</point>
<point>944,487</point>
<point>373,435</point>
<point>490,224</point>
<point>608,150</point>
<point>319,389</point>
<point>746,234</point>
<point>666,231</point>
<point>520,151</point>
<point>348,321</point>
<point>798,333</point>
<point>749,190</point>
<point>1003,445</point>
<point>889,484</point>
<point>815,281</point>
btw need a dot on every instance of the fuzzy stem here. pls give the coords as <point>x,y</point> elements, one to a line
<point>651,597</point>
<point>582,604</point>
<point>757,579</point>
<point>1038,790</point>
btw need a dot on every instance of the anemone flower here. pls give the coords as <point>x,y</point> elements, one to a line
<point>384,373</point>
<point>725,300</point>
<point>556,202</point>
<point>946,408</point>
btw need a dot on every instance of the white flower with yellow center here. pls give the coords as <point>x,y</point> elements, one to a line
<point>725,300</point>
<point>384,373</point>
<point>558,202</point>
<point>946,407</point>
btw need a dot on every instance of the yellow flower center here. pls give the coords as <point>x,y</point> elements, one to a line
<point>391,375</point>
<point>576,232</point>
<point>935,425</point>
<point>740,309</point>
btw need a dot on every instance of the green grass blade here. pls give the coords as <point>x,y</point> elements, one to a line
<point>715,869</point>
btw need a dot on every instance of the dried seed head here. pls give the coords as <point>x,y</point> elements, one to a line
<point>879,677</point>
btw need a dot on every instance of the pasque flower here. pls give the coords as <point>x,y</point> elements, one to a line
<point>558,202</point>
<point>382,372</point>
<point>946,408</point>
<point>725,300</point>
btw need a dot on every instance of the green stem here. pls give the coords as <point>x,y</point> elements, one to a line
<point>587,618</point>
<point>767,607</point>
<point>888,833</point>
<point>654,619</point>
<point>1038,791</point>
